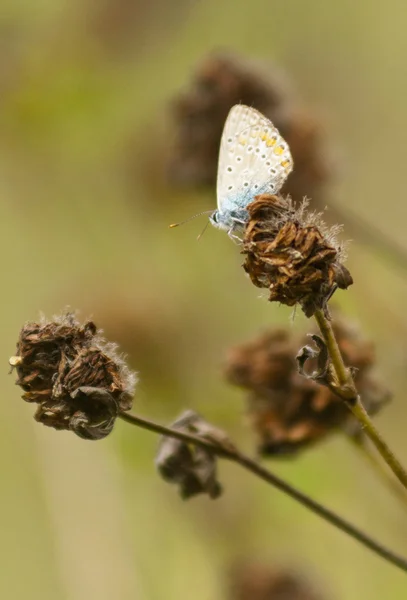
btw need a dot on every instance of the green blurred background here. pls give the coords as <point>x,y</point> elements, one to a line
<point>85,88</point>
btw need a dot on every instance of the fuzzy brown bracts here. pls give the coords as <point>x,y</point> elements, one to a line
<point>78,380</point>
<point>290,252</point>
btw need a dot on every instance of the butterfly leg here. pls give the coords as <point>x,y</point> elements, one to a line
<point>233,236</point>
<point>237,223</point>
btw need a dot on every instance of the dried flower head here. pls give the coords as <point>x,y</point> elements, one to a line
<point>289,412</point>
<point>223,80</point>
<point>292,253</point>
<point>78,380</point>
<point>118,25</point>
<point>191,467</point>
<point>257,581</point>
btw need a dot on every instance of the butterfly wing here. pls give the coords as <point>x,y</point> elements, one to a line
<point>253,158</point>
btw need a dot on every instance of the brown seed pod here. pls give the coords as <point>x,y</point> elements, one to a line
<point>78,380</point>
<point>192,468</point>
<point>289,412</point>
<point>291,253</point>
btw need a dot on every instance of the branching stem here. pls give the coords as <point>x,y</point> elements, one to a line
<point>347,391</point>
<point>234,455</point>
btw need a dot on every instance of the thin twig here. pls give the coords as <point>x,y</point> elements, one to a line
<point>349,394</point>
<point>249,464</point>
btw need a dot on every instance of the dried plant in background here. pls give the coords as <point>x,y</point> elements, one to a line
<point>289,412</point>
<point>223,80</point>
<point>140,324</point>
<point>122,25</point>
<point>249,580</point>
<point>78,380</point>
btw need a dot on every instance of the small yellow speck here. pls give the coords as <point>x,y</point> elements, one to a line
<point>271,141</point>
<point>279,150</point>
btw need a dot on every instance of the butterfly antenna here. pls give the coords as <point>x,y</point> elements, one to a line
<point>203,231</point>
<point>204,212</point>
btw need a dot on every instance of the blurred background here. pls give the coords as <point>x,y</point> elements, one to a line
<point>103,107</point>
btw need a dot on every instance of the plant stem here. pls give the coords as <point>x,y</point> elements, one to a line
<point>234,455</point>
<point>387,478</point>
<point>348,392</point>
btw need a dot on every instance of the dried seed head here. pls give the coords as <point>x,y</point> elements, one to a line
<point>289,412</point>
<point>292,253</point>
<point>191,467</point>
<point>122,26</point>
<point>257,581</point>
<point>78,380</point>
<point>223,80</point>
<point>263,364</point>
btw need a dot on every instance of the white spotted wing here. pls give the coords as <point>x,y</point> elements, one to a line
<point>253,158</point>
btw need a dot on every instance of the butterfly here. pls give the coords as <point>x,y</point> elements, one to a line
<point>253,159</point>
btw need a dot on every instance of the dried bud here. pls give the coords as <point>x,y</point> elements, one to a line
<point>78,380</point>
<point>220,82</point>
<point>191,467</point>
<point>256,581</point>
<point>291,253</point>
<point>288,411</point>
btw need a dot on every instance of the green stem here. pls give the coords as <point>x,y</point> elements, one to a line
<point>361,444</point>
<point>234,455</point>
<point>348,392</point>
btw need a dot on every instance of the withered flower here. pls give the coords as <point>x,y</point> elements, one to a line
<point>289,412</point>
<point>292,253</point>
<point>78,380</point>
<point>258,581</point>
<point>191,467</point>
<point>222,80</point>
